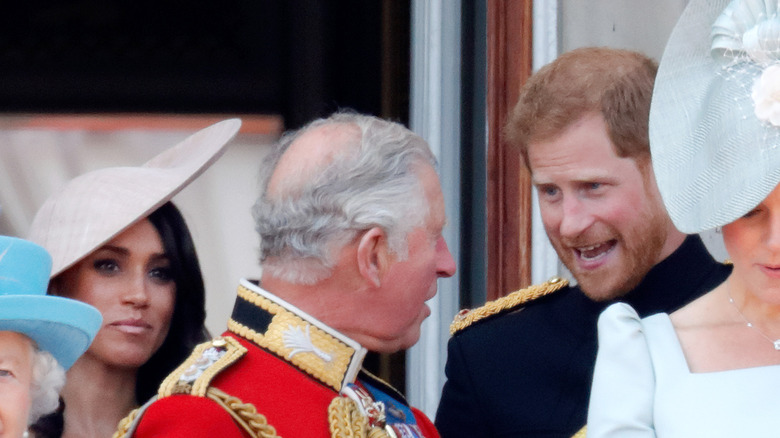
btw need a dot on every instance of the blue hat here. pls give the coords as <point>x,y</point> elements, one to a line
<point>61,326</point>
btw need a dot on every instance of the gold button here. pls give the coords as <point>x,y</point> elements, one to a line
<point>219,342</point>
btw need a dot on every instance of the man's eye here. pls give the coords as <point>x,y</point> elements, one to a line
<point>594,186</point>
<point>548,191</point>
<point>6,373</point>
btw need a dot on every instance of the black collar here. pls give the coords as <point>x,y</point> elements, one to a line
<point>689,272</point>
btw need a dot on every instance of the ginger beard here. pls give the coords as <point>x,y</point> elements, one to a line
<point>608,263</point>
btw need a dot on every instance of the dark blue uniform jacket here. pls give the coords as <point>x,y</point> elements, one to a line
<point>527,372</point>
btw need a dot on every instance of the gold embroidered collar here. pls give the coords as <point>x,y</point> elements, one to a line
<point>295,337</point>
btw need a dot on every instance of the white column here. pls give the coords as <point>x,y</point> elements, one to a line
<point>544,260</point>
<point>435,115</point>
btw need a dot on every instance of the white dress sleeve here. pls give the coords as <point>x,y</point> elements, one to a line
<point>621,401</point>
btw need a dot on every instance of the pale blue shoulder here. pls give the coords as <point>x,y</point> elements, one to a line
<point>621,321</point>
<point>619,315</point>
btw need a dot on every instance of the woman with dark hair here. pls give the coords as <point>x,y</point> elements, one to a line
<point>119,244</point>
<point>187,327</point>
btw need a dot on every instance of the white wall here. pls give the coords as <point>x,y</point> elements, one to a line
<point>642,25</point>
<point>435,115</point>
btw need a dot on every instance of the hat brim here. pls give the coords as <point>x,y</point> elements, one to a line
<point>63,327</point>
<point>95,207</point>
<point>713,159</point>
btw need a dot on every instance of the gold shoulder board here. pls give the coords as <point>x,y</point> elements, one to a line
<point>194,376</point>
<point>467,317</point>
<point>207,360</point>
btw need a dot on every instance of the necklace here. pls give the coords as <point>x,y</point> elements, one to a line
<point>775,342</point>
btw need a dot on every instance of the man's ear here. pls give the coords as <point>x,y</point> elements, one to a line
<point>373,255</point>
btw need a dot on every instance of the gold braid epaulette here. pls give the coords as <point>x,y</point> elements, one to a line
<point>581,433</point>
<point>244,414</point>
<point>183,381</point>
<point>467,317</point>
<point>180,382</point>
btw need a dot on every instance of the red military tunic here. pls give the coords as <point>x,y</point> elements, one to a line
<point>303,378</point>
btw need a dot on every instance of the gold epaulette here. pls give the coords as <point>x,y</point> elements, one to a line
<point>244,414</point>
<point>193,377</point>
<point>467,317</point>
<point>207,360</point>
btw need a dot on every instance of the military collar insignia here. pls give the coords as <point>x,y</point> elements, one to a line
<point>295,337</point>
<point>468,317</point>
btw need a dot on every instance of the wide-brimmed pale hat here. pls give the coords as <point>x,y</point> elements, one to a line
<point>95,207</point>
<point>61,326</point>
<point>715,114</point>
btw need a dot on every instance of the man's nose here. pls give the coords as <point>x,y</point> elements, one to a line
<point>576,217</point>
<point>446,265</point>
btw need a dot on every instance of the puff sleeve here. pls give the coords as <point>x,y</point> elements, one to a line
<point>621,403</point>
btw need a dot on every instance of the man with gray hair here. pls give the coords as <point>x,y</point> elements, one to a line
<point>351,222</point>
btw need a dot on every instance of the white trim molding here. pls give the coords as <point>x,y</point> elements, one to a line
<point>435,115</point>
<point>544,260</point>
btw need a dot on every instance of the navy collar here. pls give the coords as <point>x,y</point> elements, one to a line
<point>686,274</point>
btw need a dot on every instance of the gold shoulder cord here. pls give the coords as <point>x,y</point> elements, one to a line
<point>124,424</point>
<point>467,317</point>
<point>244,414</point>
<point>346,421</point>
